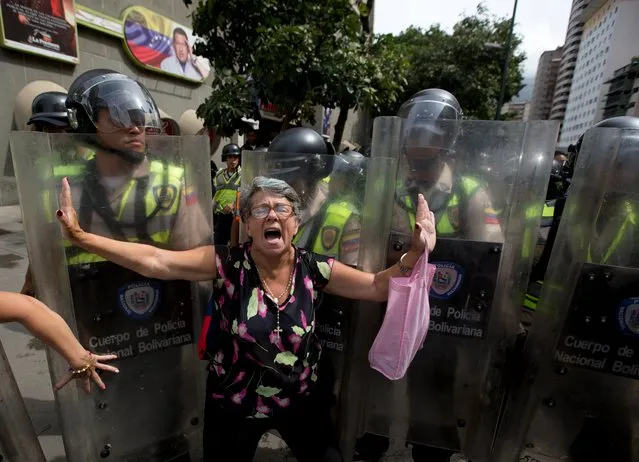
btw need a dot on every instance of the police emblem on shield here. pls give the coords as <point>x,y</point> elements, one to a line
<point>329,236</point>
<point>447,280</point>
<point>164,196</point>
<point>628,316</point>
<point>140,300</point>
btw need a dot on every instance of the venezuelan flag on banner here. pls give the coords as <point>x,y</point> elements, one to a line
<point>148,35</point>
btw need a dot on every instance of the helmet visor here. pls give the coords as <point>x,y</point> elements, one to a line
<point>121,103</point>
<point>428,110</point>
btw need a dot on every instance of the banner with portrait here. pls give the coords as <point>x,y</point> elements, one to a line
<point>160,44</point>
<point>41,27</point>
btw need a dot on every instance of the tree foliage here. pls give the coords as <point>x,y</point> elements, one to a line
<point>294,54</point>
<point>467,62</point>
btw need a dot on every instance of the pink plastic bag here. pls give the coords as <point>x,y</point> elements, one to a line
<point>405,324</point>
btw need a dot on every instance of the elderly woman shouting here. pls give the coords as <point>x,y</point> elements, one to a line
<point>259,333</point>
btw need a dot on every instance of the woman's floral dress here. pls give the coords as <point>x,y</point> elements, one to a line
<point>253,370</point>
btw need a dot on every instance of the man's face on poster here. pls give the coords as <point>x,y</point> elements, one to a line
<point>181,47</point>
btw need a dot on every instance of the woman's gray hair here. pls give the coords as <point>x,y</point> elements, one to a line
<point>271,186</point>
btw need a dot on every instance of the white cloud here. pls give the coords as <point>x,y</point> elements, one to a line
<point>541,23</point>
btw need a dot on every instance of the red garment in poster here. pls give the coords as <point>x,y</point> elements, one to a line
<point>57,9</point>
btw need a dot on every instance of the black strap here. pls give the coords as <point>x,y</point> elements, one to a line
<point>539,271</point>
<point>94,198</point>
<point>141,220</point>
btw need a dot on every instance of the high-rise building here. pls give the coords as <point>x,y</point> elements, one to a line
<point>568,59</point>
<point>623,91</point>
<point>516,111</point>
<point>610,39</point>
<point>544,87</point>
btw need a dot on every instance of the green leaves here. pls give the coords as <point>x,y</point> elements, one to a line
<point>294,54</point>
<point>467,62</point>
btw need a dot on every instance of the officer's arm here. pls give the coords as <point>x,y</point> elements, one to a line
<point>349,244</point>
<point>191,227</point>
<point>483,220</point>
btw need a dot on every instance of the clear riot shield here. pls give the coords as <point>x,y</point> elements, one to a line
<point>152,410</point>
<point>338,206</point>
<point>18,440</point>
<point>487,196</point>
<point>576,398</point>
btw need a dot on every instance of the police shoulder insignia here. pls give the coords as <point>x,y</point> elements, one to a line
<point>329,236</point>
<point>628,316</point>
<point>139,300</point>
<point>165,196</point>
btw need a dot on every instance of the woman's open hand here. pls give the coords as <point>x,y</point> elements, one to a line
<point>66,214</point>
<point>424,235</point>
<point>85,367</point>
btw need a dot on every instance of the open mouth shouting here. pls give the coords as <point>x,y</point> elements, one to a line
<point>272,235</point>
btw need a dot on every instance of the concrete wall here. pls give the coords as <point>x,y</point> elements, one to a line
<point>96,51</point>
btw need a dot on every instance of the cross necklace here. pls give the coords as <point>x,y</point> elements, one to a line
<point>267,289</point>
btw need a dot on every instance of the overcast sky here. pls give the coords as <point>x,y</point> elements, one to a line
<point>542,23</point>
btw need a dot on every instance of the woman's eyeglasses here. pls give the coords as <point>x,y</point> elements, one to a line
<point>281,210</point>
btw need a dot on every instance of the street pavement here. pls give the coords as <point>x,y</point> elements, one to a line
<point>29,363</point>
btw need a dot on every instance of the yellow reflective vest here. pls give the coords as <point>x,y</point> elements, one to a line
<point>161,199</point>
<point>226,189</point>
<point>328,239</point>
<point>448,223</point>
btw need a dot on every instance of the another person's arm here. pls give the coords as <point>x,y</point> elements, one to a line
<point>49,327</point>
<point>351,283</point>
<point>192,265</point>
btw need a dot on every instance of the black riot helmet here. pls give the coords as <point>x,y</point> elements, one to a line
<point>349,171</point>
<point>230,149</point>
<point>350,163</point>
<point>49,109</point>
<point>621,122</point>
<point>115,99</point>
<point>432,120</point>
<point>299,153</point>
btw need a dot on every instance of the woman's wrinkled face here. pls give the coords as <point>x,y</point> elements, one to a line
<point>271,223</point>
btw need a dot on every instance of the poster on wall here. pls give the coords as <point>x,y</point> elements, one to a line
<point>42,27</point>
<point>160,44</point>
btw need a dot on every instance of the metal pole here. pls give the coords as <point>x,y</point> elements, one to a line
<point>504,72</point>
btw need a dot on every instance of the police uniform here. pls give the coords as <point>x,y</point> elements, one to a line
<point>337,235</point>
<point>226,188</point>
<point>447,201</point>
<point>165,207</point>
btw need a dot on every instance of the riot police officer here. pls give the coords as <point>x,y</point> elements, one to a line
<point>227,183</point>
<point>462,206</point>
<point>463,209</point>
<point>616,231</point>
<point>335,229</point>
<point>126,189</point>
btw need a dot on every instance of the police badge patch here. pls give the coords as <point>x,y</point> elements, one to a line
<point>165,196</point>
<point>329,237</point>
<point>447,280</point>
<point>139,300</point>
<point>628,316</point>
